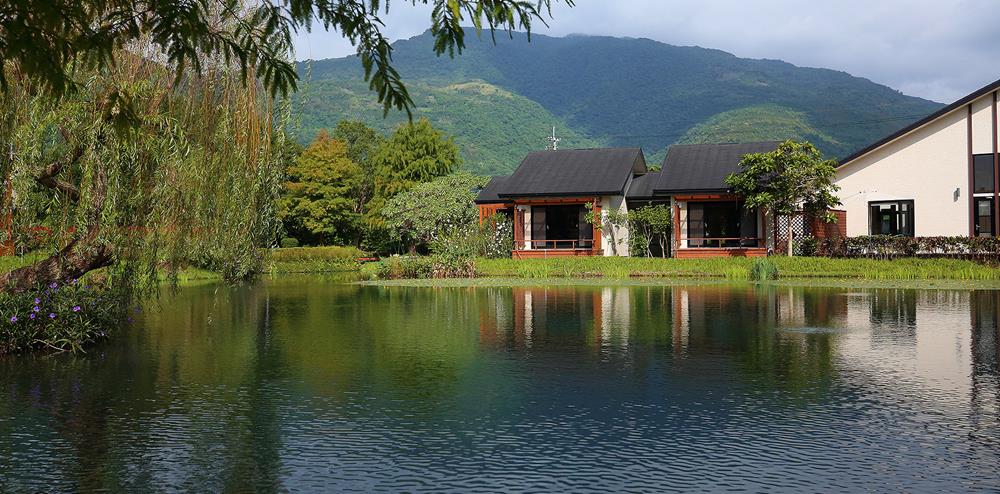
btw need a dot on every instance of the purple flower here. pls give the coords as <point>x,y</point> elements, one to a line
<point>36,309</point>
<point>38,301</point>
<point>53,285</point>
<point>52,316</point>
<point>74,281</point>
<point>31,316</point>
<point>76,308</point>
<point>13,318</point>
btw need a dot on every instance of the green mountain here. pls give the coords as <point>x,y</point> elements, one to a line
<point>500,101</point>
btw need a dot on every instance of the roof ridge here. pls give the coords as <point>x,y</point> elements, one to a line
<point>969,98</point>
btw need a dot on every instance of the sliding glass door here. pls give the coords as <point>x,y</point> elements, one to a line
<point>721,224</point>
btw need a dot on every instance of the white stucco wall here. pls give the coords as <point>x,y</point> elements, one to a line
<point>982,125</point>
<point>621,234</point>
<point>927,166</point>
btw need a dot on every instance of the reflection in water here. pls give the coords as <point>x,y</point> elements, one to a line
<point>315,385</point>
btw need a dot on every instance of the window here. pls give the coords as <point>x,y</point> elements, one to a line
<point>984,216</point>
<point>982,171</point>
<point>891,218</point>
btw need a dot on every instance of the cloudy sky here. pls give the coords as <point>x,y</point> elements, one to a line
<point>936,49</point>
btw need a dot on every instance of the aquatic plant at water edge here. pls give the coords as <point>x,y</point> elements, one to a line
<point>763,269</point>
<point>59,317</point>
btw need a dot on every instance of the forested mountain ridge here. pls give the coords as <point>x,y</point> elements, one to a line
<point>501,100</point>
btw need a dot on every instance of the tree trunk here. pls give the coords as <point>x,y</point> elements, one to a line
<point>82,255</point>
<point>791,252</point>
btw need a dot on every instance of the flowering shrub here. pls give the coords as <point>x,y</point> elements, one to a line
<point>65,317</point>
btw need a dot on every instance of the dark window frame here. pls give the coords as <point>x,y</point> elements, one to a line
<point>909,227</point>
<point>983,163</point>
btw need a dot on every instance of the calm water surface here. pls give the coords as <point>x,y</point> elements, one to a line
<point>311,385</point>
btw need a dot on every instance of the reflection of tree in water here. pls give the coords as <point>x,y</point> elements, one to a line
<point>254,461</point>
<point>893,316</point>
<point>158,406</point>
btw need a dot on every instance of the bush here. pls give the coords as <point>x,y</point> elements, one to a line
<point>763,269</point>
<point>497,233</point>
<point>891,247</point>
<point>288,243</point>
<point>62,318</point>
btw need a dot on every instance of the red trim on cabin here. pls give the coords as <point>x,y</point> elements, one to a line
<point>705,252</point>
<point>546,253</point>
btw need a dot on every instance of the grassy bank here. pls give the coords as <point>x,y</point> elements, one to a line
<point>738,268</point>
<point>278,261</point>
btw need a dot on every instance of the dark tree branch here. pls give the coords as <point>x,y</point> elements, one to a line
<point>48,175</point>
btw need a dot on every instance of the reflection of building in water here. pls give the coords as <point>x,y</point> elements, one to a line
<point>525,317</point>
<point>911,342</point>
<point>985,317</point>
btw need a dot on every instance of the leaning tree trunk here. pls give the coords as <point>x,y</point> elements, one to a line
<point>83,254</point>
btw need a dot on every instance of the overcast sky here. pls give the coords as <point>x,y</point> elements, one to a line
<point>935,49</point>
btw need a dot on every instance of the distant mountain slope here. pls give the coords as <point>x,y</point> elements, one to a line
<point>493,127</point>
<point>614,91</point>
<point>758,123</point>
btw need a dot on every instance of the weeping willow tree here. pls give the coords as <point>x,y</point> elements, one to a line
<point>140,171</point>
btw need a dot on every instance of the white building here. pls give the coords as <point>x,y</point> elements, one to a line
<point>938,176</point>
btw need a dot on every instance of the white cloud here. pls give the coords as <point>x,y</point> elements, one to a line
<point>935,49</point>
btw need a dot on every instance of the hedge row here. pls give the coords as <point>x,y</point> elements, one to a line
<point>890,247</point>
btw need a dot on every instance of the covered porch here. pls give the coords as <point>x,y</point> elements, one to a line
<point>716,225</point>
<point>555,227</point>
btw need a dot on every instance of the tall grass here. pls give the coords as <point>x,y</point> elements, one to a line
<point>763,269</point>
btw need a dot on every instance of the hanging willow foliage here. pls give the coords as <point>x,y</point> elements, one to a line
<point>139,171</point>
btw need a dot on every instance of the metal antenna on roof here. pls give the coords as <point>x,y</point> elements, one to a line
<point>553,140</point>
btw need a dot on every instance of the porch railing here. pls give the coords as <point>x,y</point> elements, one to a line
<point>555,244</point>
<point>721,242</point>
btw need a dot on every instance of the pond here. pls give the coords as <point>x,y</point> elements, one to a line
<point>313,385</point>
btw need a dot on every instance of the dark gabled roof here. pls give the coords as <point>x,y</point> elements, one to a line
<point>573,172</point>
<point>489,193</point>
<point>642,186</point>
<point>924,121</point>
<point>704,167</point>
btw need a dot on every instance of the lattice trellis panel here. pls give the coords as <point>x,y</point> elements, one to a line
<point>800,228</point>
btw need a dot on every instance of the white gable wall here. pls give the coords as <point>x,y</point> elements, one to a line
<point>927,166</point>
